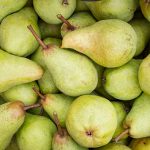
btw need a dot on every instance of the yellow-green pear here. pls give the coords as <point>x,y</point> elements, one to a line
<point>81,6</point>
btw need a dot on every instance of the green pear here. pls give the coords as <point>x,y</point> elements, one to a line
<point>10,6</point>
<point>13,144</point>
<point>91,121</point>
<point>114,146</point>
<point>73,74</point>
<point>23,92</point>
<point>12,116</point>
<point>140,144</point>
<point>113,9</point>
<point>121,114</point>
<point>16,70</point>
<point>36,133</point>
<point>142,29</point>
<point>62,140</point>
<point>49,30</point>
<point>145,8</point>
<point>110,43</point>
<point>77,21</point>
<point>144,75</point>
<point>48,9</point>
<point>81,6</point>
<point>122,82</point>
<point>14,35</point>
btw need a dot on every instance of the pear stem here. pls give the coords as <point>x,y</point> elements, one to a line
<point>44,46</point>
<point>147,1</point>
<point>38,93</point>
<point>120,136</point>
<point>32,106</point>
<point>69,25</point>
<point>57,122</point>
<point>65,2</point>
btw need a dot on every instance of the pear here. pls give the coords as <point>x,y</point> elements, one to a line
<point>122,82</point>
<point>91,121</point>
<point>13,145</point>
<point>81,6</point>
<point>14,35</point>
<point>23,92</point>
<point>140,144</point>
<point>145,8</point>
<point>49,30</point>
<point>29,3</point>
<point>36,133</point>
<point>10,6</point>
<point>48,10</point>
<point>73,74</point>
<point>114,146</point>
<point>144,75</point>
<point>142,29</point>
<point>113,9</point>
<point>16,70</point>
<point>62,140</point>
<point>110,43</point>
<point>77,21</point>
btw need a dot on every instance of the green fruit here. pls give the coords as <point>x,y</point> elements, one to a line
<point>10,6</point>
<point>14,35</point>
<point>17,70</point>
<point>13,145</point>
<point>110,43</point>
<point>122,82</point>
<point>144,75</point>
<point>91,121</point>
<point>23,93</point>
<point>78,20</point>
<point>81,6</point>
<point>36,133</point>
<point>11,117</point>
<point>48,9</point>
<point>142,29</point>
<point>113,9</point>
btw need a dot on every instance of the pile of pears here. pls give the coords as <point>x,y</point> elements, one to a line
<point>74,75</point>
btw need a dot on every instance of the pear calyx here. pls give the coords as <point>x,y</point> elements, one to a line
<point>65,2</point>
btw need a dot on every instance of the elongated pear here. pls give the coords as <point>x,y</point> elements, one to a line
<point>144,75</point>
<point>14,35</point>
<point>36,133</point>
<point>73,74</point>
<point>10,6</point>
<point>23,92</point>
<point>91,121</point>
<point>110,43</point>
<point>16,70</point>
<point>48,10</point>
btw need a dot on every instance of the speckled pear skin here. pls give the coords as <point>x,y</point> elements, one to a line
<point>17,70</point>
<point>36,133</point>
<point>45,9</point>
<point>140,144</point>
<point>11,118</point>
<point>122,82</point>
<point>91,121</point>
<point>73,74</point>
<point>145,8</point>
<point>113,9</point>
<point>78,20</point>
<point>139,128</point>
<point>114,146</point>
<point>13,144</point>
<point>58,103</point>
<point>121,114</point>
<point>144,75</point>
<point>23,92</point>
<point>110,43</point>
<point>9,6</point>
<point>14,35</point>
<point>142,29</point>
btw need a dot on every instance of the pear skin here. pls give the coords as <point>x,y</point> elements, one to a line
<point>13,144</point>
<point>81,6</point>
<point>109,43</point>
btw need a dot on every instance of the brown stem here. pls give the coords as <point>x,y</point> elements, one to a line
<point>57,122</point>
<point>44,46</point>
<point>147,1</point>
<point>32,106</point>
<point>69,25</point>
<point>65,2</point>
<point>120,136</point>
<point>38,93</point>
